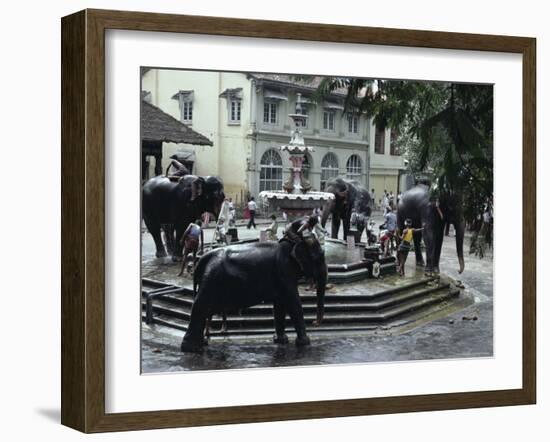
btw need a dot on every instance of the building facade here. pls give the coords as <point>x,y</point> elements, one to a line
<point>246,118</point>
<point>387,168</point>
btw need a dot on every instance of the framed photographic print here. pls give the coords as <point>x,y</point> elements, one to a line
<point>268,221</point>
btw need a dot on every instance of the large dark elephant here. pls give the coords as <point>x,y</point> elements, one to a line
<point>417,205</point>
<point>240,276</point>
<point>348,195</point>
<point>169,205</point>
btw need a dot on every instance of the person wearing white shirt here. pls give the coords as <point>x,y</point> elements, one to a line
<point>252,210</point>
<point>385,202</point>
<point>231,212</point>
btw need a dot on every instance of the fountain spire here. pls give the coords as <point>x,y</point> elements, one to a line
<point>296,198</point>
<point>297,149</point>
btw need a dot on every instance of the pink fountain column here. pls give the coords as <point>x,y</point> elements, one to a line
<point>297,161</point>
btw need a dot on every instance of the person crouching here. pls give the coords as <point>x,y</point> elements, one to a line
<point>191,238</point>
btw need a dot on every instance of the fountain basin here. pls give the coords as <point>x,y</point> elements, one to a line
<point>347,265</point>
<point>295,204</point>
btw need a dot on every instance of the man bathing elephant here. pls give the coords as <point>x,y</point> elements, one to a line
<point>240,276</point>
<point>176,170</point>
<point>348,196</point>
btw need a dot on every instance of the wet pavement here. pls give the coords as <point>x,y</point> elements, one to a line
<point>447,334</point>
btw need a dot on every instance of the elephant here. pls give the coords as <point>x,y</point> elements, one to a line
<point>242,275</point>
<point>348,195</point>
<point>416,204</point>
<point>172,205</point>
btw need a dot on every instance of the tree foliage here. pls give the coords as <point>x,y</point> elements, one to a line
<point>445,129</point>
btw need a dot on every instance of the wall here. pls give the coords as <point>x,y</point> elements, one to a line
<point>30,380</point>
<point>233,148</point>
<point>227,157</point>
<point>340,142</point>
<point>384,167</point>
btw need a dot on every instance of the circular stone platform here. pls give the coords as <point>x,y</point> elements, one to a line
<point>344,264</point>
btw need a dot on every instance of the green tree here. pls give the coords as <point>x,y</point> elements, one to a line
<point>445,129</point>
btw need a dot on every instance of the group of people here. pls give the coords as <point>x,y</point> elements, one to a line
<point>389,240</point>
<point>388,199</point>
<point>390,235</point>
<point>306,227</point>
<point>311,226</point>
<point>302,228</point>
<point>193,237</point>
<point>482,231</point>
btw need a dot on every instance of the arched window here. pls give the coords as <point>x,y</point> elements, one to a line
<point>271,171</point>
<point>353,167</point>
<point>329,168</point>
<point>306,166</point>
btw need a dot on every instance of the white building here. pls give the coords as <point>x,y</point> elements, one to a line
<point>246,117</point>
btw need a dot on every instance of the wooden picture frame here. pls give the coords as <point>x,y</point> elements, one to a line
<point>83,220</point>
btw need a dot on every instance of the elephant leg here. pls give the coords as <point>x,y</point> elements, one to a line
<point>207,327</point>
<point>154,230</point>
<point>178,246</point>
<point>183,262</point>
<point>345,222</point>
<point>430,241</point>
<point>417,238</point>
<point>360,229</point>
<point>279,314</point>
<point>296,312</point>
<point>169,236</point>
<point>194,260</point>
<point>335,225</point>
<point>437,248</point>
<point>193,340</point>
<point>223,328</point>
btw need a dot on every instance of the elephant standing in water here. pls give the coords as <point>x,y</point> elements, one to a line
<point>171,205</point>
<point>240,276</point>
<point>417,205</point>
<point>348,195</point>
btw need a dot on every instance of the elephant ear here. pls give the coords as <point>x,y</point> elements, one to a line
<point>300,253</point>
<point>344,193</point>
<point>346,199</point>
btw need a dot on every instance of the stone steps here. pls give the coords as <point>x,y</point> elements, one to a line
<point>342,312</point>
<point>352,324</point>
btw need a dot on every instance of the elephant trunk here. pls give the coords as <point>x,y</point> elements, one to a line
<point>321,287</point>
<point>329,206</point>
<point>459,227</point>
<point>217,206</point>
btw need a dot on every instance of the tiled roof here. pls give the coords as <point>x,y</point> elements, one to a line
<point>157,125</point>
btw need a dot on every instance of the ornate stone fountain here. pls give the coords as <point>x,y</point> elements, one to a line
<point>345,261</point>
<point>296,199</point>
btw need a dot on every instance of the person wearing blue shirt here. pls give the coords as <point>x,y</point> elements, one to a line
<point>390,224</point>
<point>390,220</point>
<point>191,239</point>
